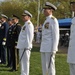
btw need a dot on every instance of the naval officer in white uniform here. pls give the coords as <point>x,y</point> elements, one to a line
<point>71,49</point>
<point>50,39</point>
<point>25,42</point>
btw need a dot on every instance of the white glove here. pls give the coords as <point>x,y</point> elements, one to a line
<point>3,43</point>
<point>54,52</point>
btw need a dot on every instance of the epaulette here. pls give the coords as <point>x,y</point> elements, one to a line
<point>19,24</point>
<point>53,17</point>
<point>28,22</point>
<point>4,39</point>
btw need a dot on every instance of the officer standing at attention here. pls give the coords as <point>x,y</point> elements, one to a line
<point>15,33</point>
<point>71,49</point>
<point>8,42</point>
<point>25,42</point>
<point>3,35</point>
<point>50,40</point>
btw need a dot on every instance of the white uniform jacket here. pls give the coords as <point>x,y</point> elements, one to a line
<point>50,35</point>
<point>71,48</point>
<point>26,36</point>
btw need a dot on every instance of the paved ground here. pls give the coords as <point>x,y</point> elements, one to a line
<point>61,49</point>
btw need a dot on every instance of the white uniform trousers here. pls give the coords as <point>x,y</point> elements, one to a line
<point>25,61</point>
<point>72,69</point>
<point>46,60</point>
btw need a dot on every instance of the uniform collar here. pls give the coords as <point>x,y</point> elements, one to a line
<point>3,22</point>
<point>15,24</point>
<point>49,16</point>
<point>27,21</point>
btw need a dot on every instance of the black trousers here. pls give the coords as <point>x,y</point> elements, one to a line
<point>14,56</point>
<point>3,54</point>
<point>9,58</point>
<point>0,51</point>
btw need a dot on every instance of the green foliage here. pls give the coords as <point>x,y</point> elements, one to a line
<point>17,7</point>
<point>62,67</point>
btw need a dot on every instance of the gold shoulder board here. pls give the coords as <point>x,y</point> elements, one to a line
<point>19,24</point>
<point>28,22</point>
<point>53,17</point>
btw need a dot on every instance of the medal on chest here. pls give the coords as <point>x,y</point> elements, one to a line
<point>46,26</point>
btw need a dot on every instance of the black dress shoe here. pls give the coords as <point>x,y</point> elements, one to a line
<point>7,66</point>
<point>3,63</point>
<point>12,70</point>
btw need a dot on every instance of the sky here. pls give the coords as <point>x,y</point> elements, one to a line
<point>1,0</point>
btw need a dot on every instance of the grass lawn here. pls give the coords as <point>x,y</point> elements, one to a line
<point>62,67</point>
